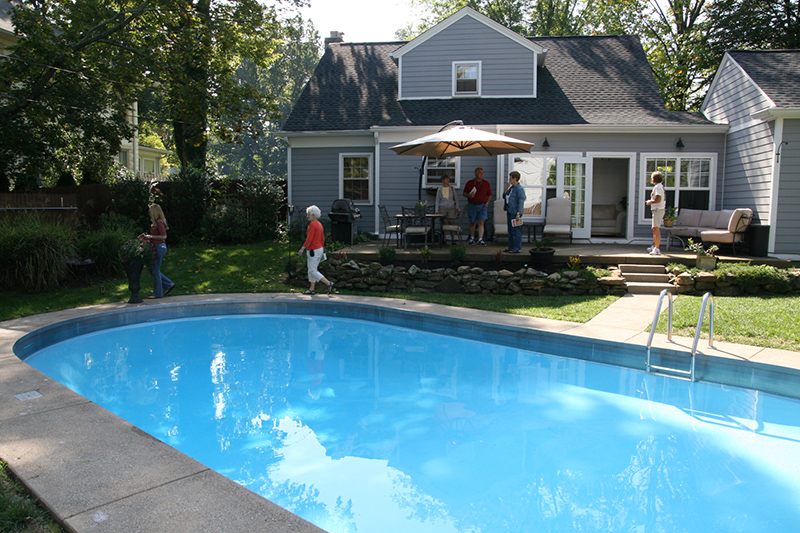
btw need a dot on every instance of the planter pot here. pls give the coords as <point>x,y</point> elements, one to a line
<point>669,223</point>
<point>134,271</point>
<point>542,259</point>
<point>706,262</point>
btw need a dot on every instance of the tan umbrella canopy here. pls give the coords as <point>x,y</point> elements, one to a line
<point>456,139</point>
<point>459,140</point>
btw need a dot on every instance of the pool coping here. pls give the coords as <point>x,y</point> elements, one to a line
<point>96,472</point>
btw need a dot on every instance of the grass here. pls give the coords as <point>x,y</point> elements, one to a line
<point>20,512</point>
<point>768,321</point>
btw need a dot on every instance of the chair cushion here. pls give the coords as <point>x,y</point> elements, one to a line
<point>562,229</point>
<point>716,235</point>
<point>724,219</point>
<point>603,212</point>
<point>559,211</point>
<point>451,227</point>
<point>689,217</point>
<point>736,223</point>
<point>392,229</point>
<point>684,231</point>
<point>708,219</point>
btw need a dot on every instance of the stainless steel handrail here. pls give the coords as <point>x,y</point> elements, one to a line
<point>708,296</point>
<point>665,292</point>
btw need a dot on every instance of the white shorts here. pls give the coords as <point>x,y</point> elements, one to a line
<point>658,217</point>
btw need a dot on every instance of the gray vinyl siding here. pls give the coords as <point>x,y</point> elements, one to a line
<point>735,98</point>
<point>507,67</point>
<point>315,181</point>
<point>748,170</point>
<point>787,230</point>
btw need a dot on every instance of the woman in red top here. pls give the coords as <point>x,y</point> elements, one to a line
<point>315,241</point>
<point>162,285</point>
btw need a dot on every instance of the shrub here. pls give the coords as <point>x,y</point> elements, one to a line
<point>130,197</point>
<point>189,197</point>
<point>103,244</point>
<point>591,273</point>
<point>458,254</point>
<point>263,198</point>
<point>35,253</point>
<point>751,278</point>
<point>386,254</point>
<point>226,224</point>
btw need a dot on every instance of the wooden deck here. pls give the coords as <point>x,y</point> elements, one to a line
<point>596,254</point>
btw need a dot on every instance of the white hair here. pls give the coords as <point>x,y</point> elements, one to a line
<point>313,211</point>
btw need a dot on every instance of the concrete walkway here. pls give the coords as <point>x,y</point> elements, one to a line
<point>96,472</point>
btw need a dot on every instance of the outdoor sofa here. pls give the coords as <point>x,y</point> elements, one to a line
<point>719,227</point>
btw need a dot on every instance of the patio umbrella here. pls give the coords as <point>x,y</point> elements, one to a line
<point>462,140</point>
<point>456,139</point>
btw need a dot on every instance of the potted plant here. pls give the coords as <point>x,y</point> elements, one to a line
<point>705,256</point>
<point>542,254</point>
<point>134,254</point>
<point>669,216</point>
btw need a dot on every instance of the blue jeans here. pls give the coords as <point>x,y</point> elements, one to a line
<point>160,281</point>
<point>514,234</point>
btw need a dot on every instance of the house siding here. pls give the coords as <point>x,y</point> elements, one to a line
<point>787,230</point>
<point>315,180</point>
<point>427,70</point>
<point>735,98</point>
<point>748,170</point>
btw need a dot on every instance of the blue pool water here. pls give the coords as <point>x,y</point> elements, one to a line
<point>359,426</point>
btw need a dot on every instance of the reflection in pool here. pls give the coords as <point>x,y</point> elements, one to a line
<point>359,426</point>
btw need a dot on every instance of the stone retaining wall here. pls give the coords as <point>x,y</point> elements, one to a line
<point>375,277</point>
<point>703,282</point>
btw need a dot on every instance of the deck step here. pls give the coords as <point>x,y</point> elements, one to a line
<point>626,268</point>
<point>632,277</point>
<point>636,287</point>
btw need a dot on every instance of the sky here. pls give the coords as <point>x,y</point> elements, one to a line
<point>360,20</point>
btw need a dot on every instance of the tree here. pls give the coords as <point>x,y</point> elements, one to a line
<point>66,87</point>
<point>261,154</point>
<point>753,24</point>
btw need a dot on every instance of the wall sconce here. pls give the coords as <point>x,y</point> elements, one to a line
<point>679,144</point>
<point>545,144</point>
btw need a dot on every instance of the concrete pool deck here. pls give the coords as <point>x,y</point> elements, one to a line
<point>96,472</point>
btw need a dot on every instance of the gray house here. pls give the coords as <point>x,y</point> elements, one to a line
<point>758,95</point>
<point>590,104</point>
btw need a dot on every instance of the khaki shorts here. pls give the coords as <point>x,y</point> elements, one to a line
<point>449,213</point>
<point>658,217</point>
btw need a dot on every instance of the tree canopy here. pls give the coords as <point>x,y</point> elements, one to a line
<point>68,85</point>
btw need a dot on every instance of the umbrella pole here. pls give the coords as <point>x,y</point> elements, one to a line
<point>421,173</point>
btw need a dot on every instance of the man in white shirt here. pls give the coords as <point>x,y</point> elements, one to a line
<point>657,205</point>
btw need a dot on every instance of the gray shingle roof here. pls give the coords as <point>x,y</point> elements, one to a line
<point>777,72</point>
<point>586,80</point>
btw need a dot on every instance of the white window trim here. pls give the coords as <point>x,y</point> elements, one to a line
<point>457,94</point>
<point>455,182</point>
<point>644,180</point>
<point>368,155</point>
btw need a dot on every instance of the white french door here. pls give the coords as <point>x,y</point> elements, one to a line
<point>572,182</point>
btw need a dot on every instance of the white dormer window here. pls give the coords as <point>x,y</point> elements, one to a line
<point>466,78</point>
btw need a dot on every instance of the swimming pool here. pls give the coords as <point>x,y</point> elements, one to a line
<point>468,435</point>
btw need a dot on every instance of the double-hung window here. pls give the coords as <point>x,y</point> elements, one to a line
<point>355,177</point>
<point>688,180</point>
<point>466,78</point>
<point>438,167</point>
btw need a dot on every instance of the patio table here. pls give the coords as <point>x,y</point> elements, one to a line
<point>435,218</point>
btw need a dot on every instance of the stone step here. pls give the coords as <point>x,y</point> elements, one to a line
<point>641,269</point>
<point>646,277</point>
<point>649,288</point>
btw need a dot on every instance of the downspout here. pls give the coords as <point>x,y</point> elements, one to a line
<point>135,140</point>
<point>776,176</point>
<point>377,194</point>
<point>288,172</point>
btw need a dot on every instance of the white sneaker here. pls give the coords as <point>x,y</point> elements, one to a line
<point>650,249</point>
<point>655,251</point>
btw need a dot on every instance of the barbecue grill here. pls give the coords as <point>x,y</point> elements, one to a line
<point>343,217</point>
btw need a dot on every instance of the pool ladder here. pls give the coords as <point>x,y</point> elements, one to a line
<point>690,373</point>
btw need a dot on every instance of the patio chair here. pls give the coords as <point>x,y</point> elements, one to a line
<point>500,222</point>
<point>390,227</point>
<point>558,219</point>
<point>455,228</point>
<point>415,223</point>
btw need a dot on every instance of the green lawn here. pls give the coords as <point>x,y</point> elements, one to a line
<point>256,268</point>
